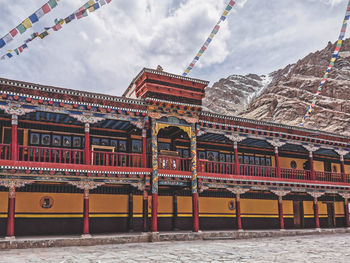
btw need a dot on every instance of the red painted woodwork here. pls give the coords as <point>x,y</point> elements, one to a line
<point>312,168</point>
<point>280,212</point>
<point>342,169</point>
<point>5,152</point>
<point>174,163</point>
<point>11,215</point>
<point>116,159</point>
<point>87,153</point>
<point>144,149</point>
<point>295,174</point>
<point>50,155</point>
<point>346,209</point>
<point>316,215</point>
<point>237,169</point>
<point>86,230</point>
<point>238,212</point>
<point>195,212</point>
<point>328,177</point>
<point>14,142</point>
<point>145,211</point>
<point>154,212</point>
<point>257,170</point>
<point>216,167</point>
<point>277,163</point>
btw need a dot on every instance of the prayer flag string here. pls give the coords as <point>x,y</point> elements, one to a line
<point>28,22</point>
<point>330,66</point>
<point>90,6</point>
<point>210,38</point>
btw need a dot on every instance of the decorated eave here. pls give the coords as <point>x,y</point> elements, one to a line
<point>36,95</point>
<point>251,128</point>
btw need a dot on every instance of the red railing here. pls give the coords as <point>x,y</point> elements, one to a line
<point>329,177</point>
<point>116,159</point>
<point>257,170</point>
<point>296,174</point>
<point>5,152</point>
<point>174,163</point>
<point>50,155</point>
<point>205,166</point>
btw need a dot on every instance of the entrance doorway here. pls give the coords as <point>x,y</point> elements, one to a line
<point>331,215</point>
<point>298,214</point>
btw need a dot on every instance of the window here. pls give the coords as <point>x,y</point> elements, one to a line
<point>136,146</point>
<point>293,164</point>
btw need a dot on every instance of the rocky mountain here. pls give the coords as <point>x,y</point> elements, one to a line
<point>232,95</point>
<point>287,93</point>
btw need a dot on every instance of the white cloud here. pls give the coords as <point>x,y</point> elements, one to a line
<point>104,51</point>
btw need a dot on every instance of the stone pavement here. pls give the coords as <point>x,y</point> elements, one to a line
<point>312,248</point>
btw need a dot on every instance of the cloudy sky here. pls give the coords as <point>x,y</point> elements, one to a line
<point>104,51</point>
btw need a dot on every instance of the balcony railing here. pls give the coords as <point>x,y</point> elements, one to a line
<point>257,170</point>
<point>329,177</point>
<point>50,155</point>
<point>116,159</point>
<point>295,174</point>
<point>205,166</point>
<point>5,152</point>
<point>174,163</point>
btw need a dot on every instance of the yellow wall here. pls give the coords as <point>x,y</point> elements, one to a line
<point>184,205</point>
<point>285,162</point>
<point>165,205</point>
<point>339,208</point>
<point>347,169</point>
<point>216,207</point>
<point>338,167</point>
<point>108,203</point>
<point>318,166</point>
<point>63,203</point>
<point>138,204</point>
<point>254,207</point>
<point>322,209</point>
<point>288,208</point>
<point>308,209</point>
<point>3,202</point>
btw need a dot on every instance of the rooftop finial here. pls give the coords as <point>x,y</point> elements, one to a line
<point>159,68</point>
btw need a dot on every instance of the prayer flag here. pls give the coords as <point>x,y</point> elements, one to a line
<point>69,18</point>
<point>34,18</point>
<point>232,3</point>
<point>52,3</point>
<point>225,13</point>
<point>20,49</point>
<point>3,57</point>
<point>57,27</point>
<point>24,46</point>
<point>39,13</point>
<point>9,55</point>
<point>2,43</point>
<point>46,8</point>
<point>13,32</point>
<point>223,18</point>
<point>44,34</point>
<point>26,23</point>
<point>8,38</point>
<point>108,1</point>
<point>228,8</point>
<point>17,51</point>
<point>102,2</point>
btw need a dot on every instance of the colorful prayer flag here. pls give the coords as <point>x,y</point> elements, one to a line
<point>26,23</point>
<point>52,3</point>
<point>46,8</point>
<point>34,18</point>
<point>14,32</point>
<point>57,27</point>
<point>21,29</point>
<point>69,18</point>
<point>2,43</point>
<point>8,38</point>
<point>39,13</point>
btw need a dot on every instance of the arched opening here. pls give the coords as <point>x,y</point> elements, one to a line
<point>174,149</point>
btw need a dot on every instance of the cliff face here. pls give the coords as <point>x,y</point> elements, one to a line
<point>232,95</point>
<point>289,91</point>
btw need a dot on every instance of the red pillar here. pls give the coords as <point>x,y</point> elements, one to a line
<point>346,212</point>
<point>11,213</point>
<point>14,140</point>
<point>144,148</point>
<point>277,163</point>
<point>317,219</point>
<point>154,212</point>
<point>237,171</point>
<point>86,212</point>
<point>87,154</point>
<point>312,169</point>
<point>280,211</point>
<point>238,211</point>
<point>342,168</point>
<point>145,211</point>
<point>195,212</point>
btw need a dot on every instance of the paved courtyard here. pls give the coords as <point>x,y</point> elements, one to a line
<point>323,248</point>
